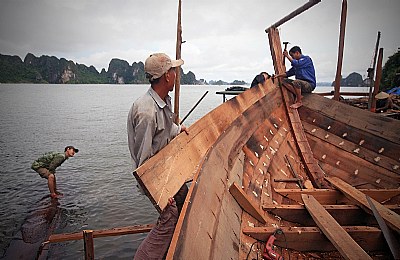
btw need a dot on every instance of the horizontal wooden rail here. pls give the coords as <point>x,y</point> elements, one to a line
<point>102,233</point>
<point>312,239</point>
<point>361,94</point>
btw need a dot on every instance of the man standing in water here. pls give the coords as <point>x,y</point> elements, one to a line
<point>151,127</point>
<point>47,164</point>
<point>304,72</point>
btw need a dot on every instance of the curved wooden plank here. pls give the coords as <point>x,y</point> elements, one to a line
<point>163,174</point>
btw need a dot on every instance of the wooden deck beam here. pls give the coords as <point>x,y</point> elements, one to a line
<point>312,239</point>
<point>343,242</point>
<point>345,215</point>
<point>331,196</point>
<point>390,217</point>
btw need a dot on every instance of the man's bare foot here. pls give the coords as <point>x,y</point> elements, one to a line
<point>296,105</point>
<point>55,196</point>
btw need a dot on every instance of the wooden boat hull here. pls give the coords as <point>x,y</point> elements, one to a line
<point>245,142</point>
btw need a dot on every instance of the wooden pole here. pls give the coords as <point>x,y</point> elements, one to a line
<point>371,76</point>
<point>88,244</point>
<point>377,79</point>
<point>178,69</point>
<point>293,14</point>
<point>340,53</point>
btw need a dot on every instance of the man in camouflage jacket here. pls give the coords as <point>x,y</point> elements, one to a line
<point>47,164</point>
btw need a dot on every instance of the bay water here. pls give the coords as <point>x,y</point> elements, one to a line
<point>99,189</point>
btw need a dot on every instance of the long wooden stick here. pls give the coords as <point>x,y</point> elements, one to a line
<point>340,52</point>
<point>293,14</point>
<point>194,107</point>
<point>371,76</point>
<point>178,69</point>
<point>377,80</point>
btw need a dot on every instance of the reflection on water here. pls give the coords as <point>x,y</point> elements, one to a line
<point>99,189</point>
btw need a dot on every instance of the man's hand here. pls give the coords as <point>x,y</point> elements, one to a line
<point>287,55</point>
<point>281,75</point>
<point>184,129</point>
<point>170,200</point>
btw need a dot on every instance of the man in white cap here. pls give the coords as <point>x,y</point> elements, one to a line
<point>151,121</point>
<point>150,127</point>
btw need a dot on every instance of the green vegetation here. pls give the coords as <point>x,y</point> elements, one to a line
<point>12,70</point>
<point>391,72</point>
<point>46,69</point>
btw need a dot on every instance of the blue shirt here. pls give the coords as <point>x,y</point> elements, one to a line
<point>303,69</point>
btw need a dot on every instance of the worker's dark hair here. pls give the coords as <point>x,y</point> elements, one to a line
<point>259,79</point>
<point>294,49</point>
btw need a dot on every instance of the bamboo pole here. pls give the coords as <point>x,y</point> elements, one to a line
<point>293,14</point>
<point>377,79</point>
<point>178,69</point>
<point>340,53</point>
<point>371,76</point>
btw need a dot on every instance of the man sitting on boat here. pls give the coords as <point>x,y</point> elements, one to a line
<point>47,164</point>
<point>384,102</point>
<point>304,72</point>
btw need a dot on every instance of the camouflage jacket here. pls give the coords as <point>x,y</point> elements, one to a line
<point>49,161</point>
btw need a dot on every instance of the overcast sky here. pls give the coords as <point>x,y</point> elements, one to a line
<point>225,39</point>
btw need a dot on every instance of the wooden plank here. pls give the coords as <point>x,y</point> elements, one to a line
<point>356,170</point>
<point>372,123</point>
<point>102,233</point>
<point>390,217</point>
<point>331,196</point>
<point>88,244</point>
<point>312,239</point>
<point>347,247</point>
<point>181,156</point>
<point>345,215</point>
<point>246,204</point>
<point>360,136</point>
<point>210,213</point>
<point>374,157</point>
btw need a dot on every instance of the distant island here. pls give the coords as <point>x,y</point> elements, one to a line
<point>50,69</point>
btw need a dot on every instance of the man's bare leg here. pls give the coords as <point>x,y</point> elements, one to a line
<point>297,102</point>
<point>51,182</point>
<point>297,94</point>
<point>55,187</point>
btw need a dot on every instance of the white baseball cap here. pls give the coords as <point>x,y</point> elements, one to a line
<point>159,63</point>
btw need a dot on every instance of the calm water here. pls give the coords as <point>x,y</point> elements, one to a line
<point>99,189</point>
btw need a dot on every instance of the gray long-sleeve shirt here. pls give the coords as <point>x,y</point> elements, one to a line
<point>150,126</point>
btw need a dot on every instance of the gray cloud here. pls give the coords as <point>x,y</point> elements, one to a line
<point>225,39</point>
